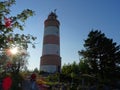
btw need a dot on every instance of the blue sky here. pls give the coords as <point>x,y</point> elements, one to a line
<point>77,18</point>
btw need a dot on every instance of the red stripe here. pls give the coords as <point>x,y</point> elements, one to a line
<point>51,39</point>
<point>51,60</point>
<point>51,23</point>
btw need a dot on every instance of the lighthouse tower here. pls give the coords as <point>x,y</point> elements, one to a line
<point>50,59</point>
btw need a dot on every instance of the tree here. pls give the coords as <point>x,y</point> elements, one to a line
<point>103,56</point>
<point>84,67</point>
<point>9,39</point>
<point>9,23</point>
<point>70,72</point>
<point>3,61</point>
<point>66,73</point>
<point>36,70</point>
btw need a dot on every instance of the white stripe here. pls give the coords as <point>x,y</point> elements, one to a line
<point>51,30</point>
<point>48,68</point>
<point>51,49</point>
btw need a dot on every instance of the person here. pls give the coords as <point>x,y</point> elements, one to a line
<point>7,82</point>
<point>33,83</point>
<point>30,84</point>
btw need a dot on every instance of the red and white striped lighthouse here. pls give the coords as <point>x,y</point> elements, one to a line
<point>50,59</point>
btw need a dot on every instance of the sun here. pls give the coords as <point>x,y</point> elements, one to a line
<point>14,50</point>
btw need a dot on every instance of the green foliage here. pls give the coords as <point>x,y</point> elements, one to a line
<point>70,72</point>
<point>36,70</point>
<point>66,69</point>
<point>9,39</point>
<point>102,55</point>
<point>7,35</point>
<point>19,63</point>
<point>16,81</point>
<point>3,62</point>
<point>75,67</point>
<point>84,67</point>
<point>14,63</point>
<point>53,77</point>
<point>100,62</point>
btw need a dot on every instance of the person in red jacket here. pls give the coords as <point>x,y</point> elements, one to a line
<point>33,83</point>
<point>7,82</point>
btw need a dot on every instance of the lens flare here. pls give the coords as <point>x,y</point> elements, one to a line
<point>14,50</point>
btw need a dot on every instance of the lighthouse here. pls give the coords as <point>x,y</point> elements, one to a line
<point>50,60</point>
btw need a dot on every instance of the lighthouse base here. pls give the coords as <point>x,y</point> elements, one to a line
<point>50,63</point>
<point>48,68</point>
